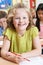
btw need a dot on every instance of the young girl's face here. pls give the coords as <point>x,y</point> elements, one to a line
<point>40,15</point>
<point>21,19</point>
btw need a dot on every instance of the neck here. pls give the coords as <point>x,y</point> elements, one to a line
<point>21,33</point>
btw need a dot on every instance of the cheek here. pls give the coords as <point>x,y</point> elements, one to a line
<point>15,23</point>
<point>40,17</point>
<point>27,21</point>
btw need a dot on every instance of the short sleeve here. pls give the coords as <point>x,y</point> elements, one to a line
<point>8,33</point>
<point>35,32</point>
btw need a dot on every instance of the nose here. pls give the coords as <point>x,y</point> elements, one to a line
<point>21,20</point>
<point>41,15</point>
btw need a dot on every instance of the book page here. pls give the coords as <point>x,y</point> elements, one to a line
<point>33,61</point>
<point>1,42</point>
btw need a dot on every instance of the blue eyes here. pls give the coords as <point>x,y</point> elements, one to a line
<point>17,18</point>
<point>20,18</point>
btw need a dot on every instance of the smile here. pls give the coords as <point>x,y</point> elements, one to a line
<point>21,24</point>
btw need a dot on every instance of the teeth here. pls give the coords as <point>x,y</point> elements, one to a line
<point>22,24</point>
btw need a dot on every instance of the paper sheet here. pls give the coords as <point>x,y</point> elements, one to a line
<point>33,61</point>
<point>1,42</point>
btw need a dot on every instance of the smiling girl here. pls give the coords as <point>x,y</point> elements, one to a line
<point>21,38</point>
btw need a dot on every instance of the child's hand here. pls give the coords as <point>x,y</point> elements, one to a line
<point>21,57</point>
<point>24,55</point>
<point>16,57</point>
<point>8,53</point>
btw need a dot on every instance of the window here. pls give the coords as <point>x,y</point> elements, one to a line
<point>5,4</point>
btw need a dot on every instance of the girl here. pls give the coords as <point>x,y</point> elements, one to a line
<point>39,22</point>
<point>21,38</point>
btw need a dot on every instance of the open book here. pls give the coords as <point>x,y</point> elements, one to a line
<point>33,61</point>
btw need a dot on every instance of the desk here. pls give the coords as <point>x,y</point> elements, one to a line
<point>5,62</point>
<point>33,61</point>
<point>37,61</point>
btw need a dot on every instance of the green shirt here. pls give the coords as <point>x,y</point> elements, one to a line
<point>21,44</point>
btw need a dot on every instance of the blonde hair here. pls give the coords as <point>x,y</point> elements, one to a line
<point>11,14</point>
<point>33,12</point>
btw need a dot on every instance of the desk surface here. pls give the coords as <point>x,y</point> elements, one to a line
<point>33,61</point>
<point>36,60</point>
<point>5,62</point>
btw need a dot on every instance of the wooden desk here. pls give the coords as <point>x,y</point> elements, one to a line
<point>5,62</point>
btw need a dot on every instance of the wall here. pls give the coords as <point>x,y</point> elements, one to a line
<point>38,2</point>
<point>26,2</point>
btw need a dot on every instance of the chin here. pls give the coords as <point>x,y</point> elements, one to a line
<point>22,29</point>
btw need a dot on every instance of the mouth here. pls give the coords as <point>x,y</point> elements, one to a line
<point>21,24</point>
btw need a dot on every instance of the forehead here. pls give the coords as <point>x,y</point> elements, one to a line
<point>40,11</point>
<point>3,19</point>
<point>21,11</point>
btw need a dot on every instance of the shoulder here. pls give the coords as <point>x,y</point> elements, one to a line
<point>9,33</point>
<point>34,28</point>
<point>9,30</point>
<point>34,31</point>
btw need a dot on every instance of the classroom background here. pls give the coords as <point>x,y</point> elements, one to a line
<point>6,4</point>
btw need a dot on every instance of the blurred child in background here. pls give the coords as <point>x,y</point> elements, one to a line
<point>33,14</point>
<point>39,22</point>
<point>3,23</point>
